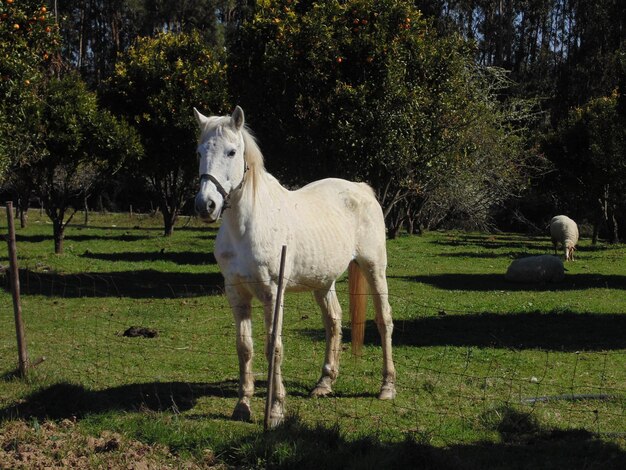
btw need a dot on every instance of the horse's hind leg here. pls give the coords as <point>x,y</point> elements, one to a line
<point>331,315</point>
<point>377,280</point>
<point>241,305</point>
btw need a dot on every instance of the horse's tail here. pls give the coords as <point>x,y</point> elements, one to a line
<point>358,306</point>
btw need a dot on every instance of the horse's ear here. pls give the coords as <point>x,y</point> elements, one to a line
<point>237,118</point>
<point>199,117</point>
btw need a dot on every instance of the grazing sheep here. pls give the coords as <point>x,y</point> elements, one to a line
<point>564,231</point>
<point>543,268</point>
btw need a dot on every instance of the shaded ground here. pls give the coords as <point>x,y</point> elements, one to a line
<point>139,284</point>
<point>68,401</point>
<point>524,445</point>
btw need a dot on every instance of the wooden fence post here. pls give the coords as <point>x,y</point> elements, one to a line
<point>15,291</point>
<point>276,332</point>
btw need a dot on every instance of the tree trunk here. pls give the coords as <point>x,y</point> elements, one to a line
<point>86,210</point>
<point>409,225</point>
<point>168,226</point>
<point>59,235</point>
<point>23,216</point>
<point>394,224</point>
<point>613,227</point>
<point>169,220</point>
<point>607,211</point>
<point>22,210</point>
<point>81,39</point>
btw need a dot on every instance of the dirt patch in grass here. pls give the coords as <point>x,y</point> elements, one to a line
<point>60,445</point>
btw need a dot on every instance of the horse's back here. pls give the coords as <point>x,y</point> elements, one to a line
<point>342,218</point>
<point>325,224</point>
<point>340,194</point>
<point>334,200</point>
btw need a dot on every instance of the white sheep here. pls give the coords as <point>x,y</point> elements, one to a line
<point>564,231</point>
<point>543,268</point>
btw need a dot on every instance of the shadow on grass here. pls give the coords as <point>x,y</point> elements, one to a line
<point>524,445</point>
<point>126,237</point>
<point>564,331</point>
<point>182,257</point>
<point>496,282</point>
<point>112,234</point>
<point>65,400</point>
<point>143,222</point>
<point>552,331</point>
<point>203,230</point>
<point>486,254</point>
<point>145,283</point>
<point>491,242</point>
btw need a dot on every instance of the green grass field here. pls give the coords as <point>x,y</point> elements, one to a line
<point>490,374</point>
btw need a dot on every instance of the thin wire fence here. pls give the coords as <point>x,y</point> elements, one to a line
<point>455,383</point>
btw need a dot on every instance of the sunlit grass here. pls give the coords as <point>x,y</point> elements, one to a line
<point>472,350</point>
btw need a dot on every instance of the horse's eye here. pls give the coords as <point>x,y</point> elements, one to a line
<point>232,153</point>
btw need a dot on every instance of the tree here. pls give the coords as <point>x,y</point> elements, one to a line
<point>156,84</point>
<point>493,160</point>
<point>96,31</point>
<point>79,145</point>
<point>589,150</point>
<point>366,90</point>
<point>29,46</point>
<point>29,54</point>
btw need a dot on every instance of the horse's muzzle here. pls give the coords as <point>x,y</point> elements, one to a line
<point>206,209</point>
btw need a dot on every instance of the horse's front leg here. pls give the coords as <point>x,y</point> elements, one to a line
<point>240,302</point>
<point>277,408</point>
<point>331,315</point>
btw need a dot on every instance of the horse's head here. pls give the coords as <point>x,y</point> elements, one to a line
<point>222,165</point>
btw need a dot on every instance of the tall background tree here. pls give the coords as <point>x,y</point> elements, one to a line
<point>29,45</point>
<point>156,84</point>
<point>354,89</point>
<point>370,90</point>
<point>54,139</point>
<point>80,145</point>
<point>590,149</point>
<point>96,31</point>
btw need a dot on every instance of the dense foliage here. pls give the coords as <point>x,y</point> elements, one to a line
<point>55,143</point>
<point>369,90</point>
<point>28,44</point>
<point>445,107</point>
<point>156,84</point>
<point>589,148</point>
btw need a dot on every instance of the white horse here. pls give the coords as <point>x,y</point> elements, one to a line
<point>326,225</point>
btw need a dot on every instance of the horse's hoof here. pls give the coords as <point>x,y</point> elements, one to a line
<point>242,412</point>
<point>321,391</point>
<point>277,415</point>
<point>387,392</point>
<point>323,387</point>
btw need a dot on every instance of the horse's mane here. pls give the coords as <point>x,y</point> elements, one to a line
<point>252,155</point>
<point>253,158</point>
